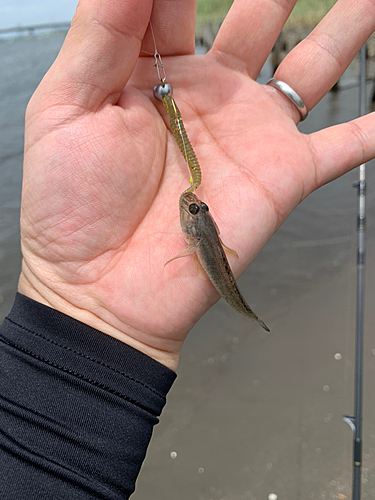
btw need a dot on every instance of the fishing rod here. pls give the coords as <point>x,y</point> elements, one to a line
<point>355,422</point>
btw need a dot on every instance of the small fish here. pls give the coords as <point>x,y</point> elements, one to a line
<point>202,236</point>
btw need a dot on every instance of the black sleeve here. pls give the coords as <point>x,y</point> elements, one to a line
<point>77,408</point>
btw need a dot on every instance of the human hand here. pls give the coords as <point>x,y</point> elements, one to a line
<point>103,175</point>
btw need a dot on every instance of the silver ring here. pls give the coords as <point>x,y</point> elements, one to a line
<point>291,95</point>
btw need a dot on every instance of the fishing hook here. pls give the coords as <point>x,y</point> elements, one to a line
<point>158,61</point>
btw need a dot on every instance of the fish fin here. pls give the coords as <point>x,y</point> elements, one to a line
<point>190,249</point>
<point>216,226</point>
<point>198,267</point>
<point>251,314</point>
<point>263,325</point>
<point>229,250</point>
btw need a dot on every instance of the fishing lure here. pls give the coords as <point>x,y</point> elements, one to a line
<point>163,93</point>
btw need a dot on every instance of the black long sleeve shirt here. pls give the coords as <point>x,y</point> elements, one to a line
<point>77,408</point>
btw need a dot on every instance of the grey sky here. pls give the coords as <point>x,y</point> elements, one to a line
<point>26,12</point>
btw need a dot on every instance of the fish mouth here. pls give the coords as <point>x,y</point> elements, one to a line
<point>187,199</point>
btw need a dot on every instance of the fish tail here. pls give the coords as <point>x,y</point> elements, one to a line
<point>251,314</point>
<point>263,325</point>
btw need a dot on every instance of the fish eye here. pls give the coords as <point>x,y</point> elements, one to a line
<point>194,208</point>
<point>204,207</point>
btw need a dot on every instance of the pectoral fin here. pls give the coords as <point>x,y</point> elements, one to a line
<point>198,267</point>
<point>229,250</point>
<point>216,226</point>
<point>189,250</point>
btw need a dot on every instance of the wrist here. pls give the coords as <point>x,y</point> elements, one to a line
<point>38,291</point>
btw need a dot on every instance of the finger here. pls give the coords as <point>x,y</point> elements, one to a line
<point>250,30</point>
<point>99,53</point>
<point>173,24</point>
<point>315,65</point>
<point>338,149</point>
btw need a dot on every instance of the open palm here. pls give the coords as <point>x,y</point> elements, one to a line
<point>103,174</point>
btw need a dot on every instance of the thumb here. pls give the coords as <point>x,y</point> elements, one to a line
<point>99,53</point>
